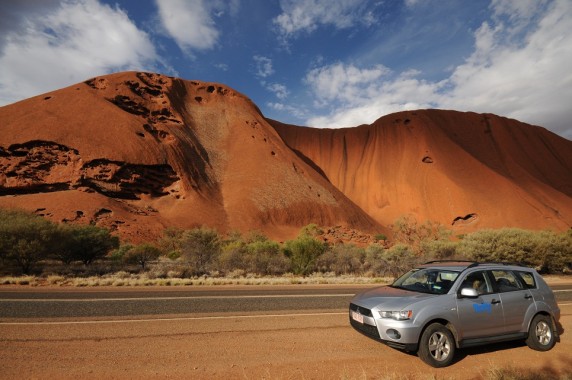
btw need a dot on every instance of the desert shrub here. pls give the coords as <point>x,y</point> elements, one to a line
<point>399,259</point>
<point>266,258</point>
<point>171,243</point>
<point>408,231</point>
<point>374,263</point>
<point>553,252</point>
<point>548,251</point>
<point>507,244</point>
<point>117,255</point>
<point>25,238</point>
<point>311,230</point>
<point>142,254</point>
<point>303,253</point>
<point>254,254</point>
<point>201,248</point>
<point>439,249</point>
<point>342,259</point>
<point>233,256</point>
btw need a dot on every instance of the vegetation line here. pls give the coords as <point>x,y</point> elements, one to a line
<point>36,252</point>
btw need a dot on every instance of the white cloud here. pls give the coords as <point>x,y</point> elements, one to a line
<point>520,68</point>
<point>263,66</point>
<point>298,112</point>
<point>71,42</point>
<point>366,95</point>
<point>264,69</point>
<point>528,79</point>
<point>279,90</point>
<point>307,15</point>
<point>344,82</point>
<point>189,22</point>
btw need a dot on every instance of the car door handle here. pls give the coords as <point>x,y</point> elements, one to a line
<point>527,297</point>
<point>494,301</point>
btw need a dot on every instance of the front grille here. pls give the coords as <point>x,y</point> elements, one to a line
<point>361,310</point>
<point>368,330</point>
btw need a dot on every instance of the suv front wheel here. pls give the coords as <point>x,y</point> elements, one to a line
<point>437,346</point>
<point>540,334</point>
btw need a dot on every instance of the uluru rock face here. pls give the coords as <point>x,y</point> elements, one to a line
<point>465,170</point>
<point>138,152</point>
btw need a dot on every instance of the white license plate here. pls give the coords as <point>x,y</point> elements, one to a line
<point>357,317</point>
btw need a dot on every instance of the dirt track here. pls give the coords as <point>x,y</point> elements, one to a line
<point>316,345</point>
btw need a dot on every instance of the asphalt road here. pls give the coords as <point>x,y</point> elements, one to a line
<point>70,303</point>
<point>74,303</point>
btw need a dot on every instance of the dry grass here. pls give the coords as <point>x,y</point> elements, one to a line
<point>510,373</point>
<point>127,279</point>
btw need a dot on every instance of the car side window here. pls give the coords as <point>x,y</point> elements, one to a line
<point>506,281</point>
<point>528,279</point>
<point>478,281</point>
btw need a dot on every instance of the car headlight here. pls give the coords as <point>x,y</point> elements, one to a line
<point>397,315</point>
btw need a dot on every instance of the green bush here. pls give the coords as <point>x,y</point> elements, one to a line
<point>439,249</point>
<point>342,259</point>
<point>25,239</point>
<point>374,263</point>
<point>399,259</point>
<point>118,255</point>
<point>303,253</point>
<point>546,250</point>
<point>256,255</point>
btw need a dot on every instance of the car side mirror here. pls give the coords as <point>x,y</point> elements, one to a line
<point>469,293</point>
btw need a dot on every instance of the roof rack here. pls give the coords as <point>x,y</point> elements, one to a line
<point>449,261</point>
<point>473,263</point>
<point>515,263</point>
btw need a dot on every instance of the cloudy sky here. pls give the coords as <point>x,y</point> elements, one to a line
<point>321,63</point>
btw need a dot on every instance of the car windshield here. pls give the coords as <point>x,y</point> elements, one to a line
<point>427,280</point>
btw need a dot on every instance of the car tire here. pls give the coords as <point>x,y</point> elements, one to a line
<point>437,346</point>
<point>541,336</point>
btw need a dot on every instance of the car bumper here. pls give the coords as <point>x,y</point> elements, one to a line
<point>402,335</point>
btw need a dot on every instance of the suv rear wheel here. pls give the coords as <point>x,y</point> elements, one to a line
<point>437,346</point>
<point>540,334</point>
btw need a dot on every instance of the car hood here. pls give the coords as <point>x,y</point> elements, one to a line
<point>389,298</point>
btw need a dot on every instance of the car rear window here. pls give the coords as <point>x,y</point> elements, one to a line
<point>528,279</point>
<point>506,281</point>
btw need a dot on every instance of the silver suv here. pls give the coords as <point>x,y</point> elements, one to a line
<point>444,305</point>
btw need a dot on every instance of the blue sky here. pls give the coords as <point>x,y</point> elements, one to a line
<point>321,63</point>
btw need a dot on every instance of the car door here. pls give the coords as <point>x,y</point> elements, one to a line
<point>480,316</point>
<point>516,299</point>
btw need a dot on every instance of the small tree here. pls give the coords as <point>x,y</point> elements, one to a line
<point>142,254</point>
<point>201,247</point>
<point>25,238</point>
<point>172,241</point>
<point>87,243</point>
